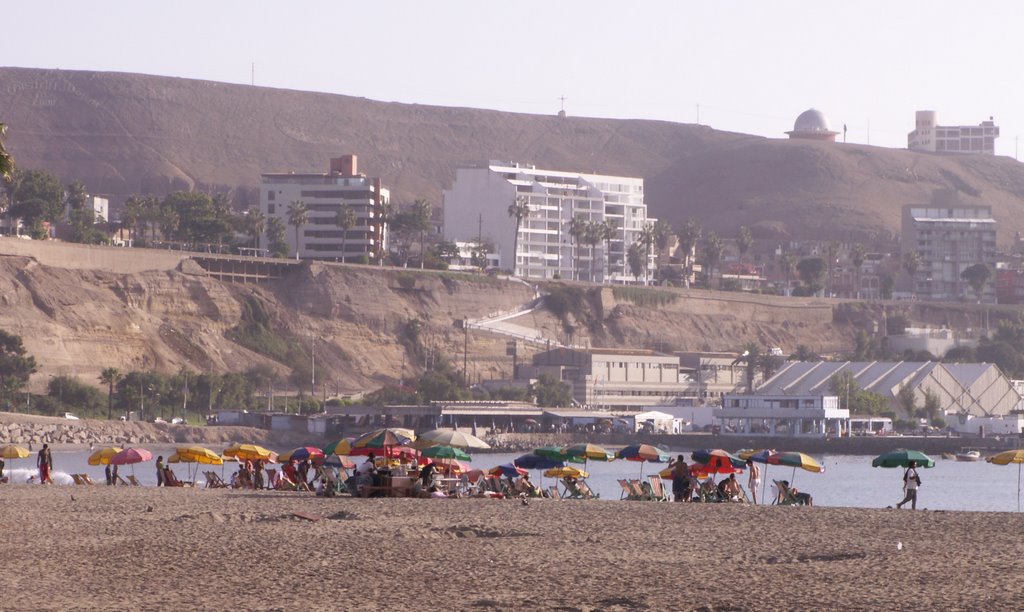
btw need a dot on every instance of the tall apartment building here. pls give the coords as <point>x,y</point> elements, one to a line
<point>477,207</point>
<point>950,239</point>
<point>324,194</point>
<point>928,135</point>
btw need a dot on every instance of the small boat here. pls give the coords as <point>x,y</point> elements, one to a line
<point>968,454</point>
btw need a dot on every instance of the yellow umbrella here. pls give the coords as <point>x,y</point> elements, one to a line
<point>249,452</point>
<point>1006,458</point>
<point>13,451</point>
<point>103,455</point>
<point>174,458</point>
<point>566,472</point>
<point>198,454</point>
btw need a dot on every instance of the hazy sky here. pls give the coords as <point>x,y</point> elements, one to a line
<point>751,66</point>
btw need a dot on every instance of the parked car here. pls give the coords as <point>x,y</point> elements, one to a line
<point>70,417</point>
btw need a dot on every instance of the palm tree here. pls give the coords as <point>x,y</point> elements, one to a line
<point>635,259</point>
<point>421,221</point>
<point>298,215</point>
<point>276,230</point>
<point>6,161</point>
<point>110,377</point>
<point>787,262</point>
<point>134,209</point>
<point>712,254</point>
<point>520,209</point>
<point>751,357</point>
<point>912,263</point>
<point>256,223</point>
<point>857,254</point>
<point>743,241</point>
<point>577,230</point>
<point>688,236</point>
<point>663,235</point>
<point>832,251</point>
<point>608,231</point>
<point>345,219</point>
<point>647,239</point>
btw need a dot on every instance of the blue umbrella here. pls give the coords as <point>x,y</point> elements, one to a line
<point>536,462</point>
<point>506,470</point>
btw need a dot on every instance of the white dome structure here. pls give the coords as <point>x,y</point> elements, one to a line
<point>812,124</point>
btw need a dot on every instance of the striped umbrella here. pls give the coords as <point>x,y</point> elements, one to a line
<point>1006,458</point>
<point>643,453</point>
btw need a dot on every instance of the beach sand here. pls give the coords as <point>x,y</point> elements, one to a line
<point>145,548</point>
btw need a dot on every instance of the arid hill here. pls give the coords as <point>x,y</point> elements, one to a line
<point>128,133</point>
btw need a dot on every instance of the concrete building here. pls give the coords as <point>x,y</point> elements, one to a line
<point>712,374</point>
<point>476,208</point>
<point>978,388</point>
<point>929,136</point>
<point>612,379</point>
<point>324,194</point>
<point>950,238</point>
<point>791,415</point>
<point>812,124</point>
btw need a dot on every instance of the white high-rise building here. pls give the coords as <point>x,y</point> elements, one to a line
<point>477,207</point>
<point>928,135</point>
<point>324,194</point>
<point>950,238</point>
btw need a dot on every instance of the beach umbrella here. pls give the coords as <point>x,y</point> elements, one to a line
<point>759,456</point>
<point>382,438</point>
<point>536,462</point>
<point>337,461</point>
<point>450,437</point>
<point>13,451</point>
<point>446,452</point>
<point>902,458</point>
<point>796,460</point>
<point>718,461</point>
<point>302,453</point>
<point>566,472</point>
<point>103,455</point>
<point>1006,458</point>
<point>390,452</point>
<point>341,447</point>
<point>508,470</point>
<point>643,453</point>
<point>588,452</point>
<point>250,452</point>
<point>131,456</point>
<point>557,453</point>
<point>198,455</point>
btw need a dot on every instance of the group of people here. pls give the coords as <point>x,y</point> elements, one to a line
<point>686,487</point>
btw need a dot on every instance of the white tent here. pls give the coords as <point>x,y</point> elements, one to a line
<point>660,421</point>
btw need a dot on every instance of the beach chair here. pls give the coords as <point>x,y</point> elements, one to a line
<point>133,481</point>
<point>658,488</point>
<point>85,479</point>
<point>553,492</point>
<point>585,491</point>
<point>121,481</point>
<point>171,480</point>
<point>78,479</point>
<point>708,492</point>
<point>784,495</point>
<point>214,481</point>
<point>641,490</point>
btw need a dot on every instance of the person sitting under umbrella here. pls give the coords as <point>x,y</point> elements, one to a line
<point>730,489</point>
<point>525,488</point>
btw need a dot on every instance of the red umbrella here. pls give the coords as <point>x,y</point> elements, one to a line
<point>131,456</point>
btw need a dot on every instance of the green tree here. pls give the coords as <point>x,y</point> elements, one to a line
<point>83,227</point>
<point>550,392</point>
<point>976,276</point>
<point>298,215</point>
<point>803,353</point>
<point>743,241</point>
<point>196,218</point>
<point>16,365</point>
<point>133,213</point>
<point>38,196</point>
<point>810,271</point>
<point>255,225</point>
<point>635,259</point>
<point>750,358</point>
<point>663,239</point>
<point>420,219</point>
<point>906,398</point>
<point>345,219</point>
<point>6,160</point>
<point>857,255</point>
<point>275,237</point>
<point>786,262</point>
<point>912,263</point>
<point>110,377</point>
<point>75,196</point>
<point>886,283</point>
<point>518,210</point>
<point>844,386</point>
<point>647,239</point>
<point>712,255</point>
<point>577,231</point>
<point>688,235</point>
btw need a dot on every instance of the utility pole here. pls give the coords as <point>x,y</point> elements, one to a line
<point>465,351</point>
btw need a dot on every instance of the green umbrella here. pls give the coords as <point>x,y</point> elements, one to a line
<point>556,453</point>
<point>902,458</point>
<point>446,452</point>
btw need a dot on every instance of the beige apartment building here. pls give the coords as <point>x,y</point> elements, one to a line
<point>929,136</point>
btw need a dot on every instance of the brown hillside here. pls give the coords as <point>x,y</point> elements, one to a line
<point>126,133</point>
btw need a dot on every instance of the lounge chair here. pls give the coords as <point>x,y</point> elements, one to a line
<point>553,492</point>
<point>627,491</point>
<point>214,481</point>
<point>708,492</point>
<point>133,481</point>
<point>78,479</point>
<point>784,495</point>
<point>170,480</point>
<point>86,480</point>
<point>658,488</point>
<point>121,481</point>
<point>641,490</point>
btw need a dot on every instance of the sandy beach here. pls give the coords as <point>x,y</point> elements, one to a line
<point>146,548</point>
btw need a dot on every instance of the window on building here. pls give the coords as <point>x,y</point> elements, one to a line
<point>271,209</point>
<point>270,196</point>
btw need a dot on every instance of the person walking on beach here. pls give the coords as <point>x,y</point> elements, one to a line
<point>160,471</point>
<point>44,461</point>
<point>911,481</point>
<point>110,477</point>
<point>754,482</point>
<point>680,480</point>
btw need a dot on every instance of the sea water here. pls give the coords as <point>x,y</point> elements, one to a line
<point>848,480</point>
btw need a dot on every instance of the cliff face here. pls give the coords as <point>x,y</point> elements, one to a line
<point>125,133</point>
